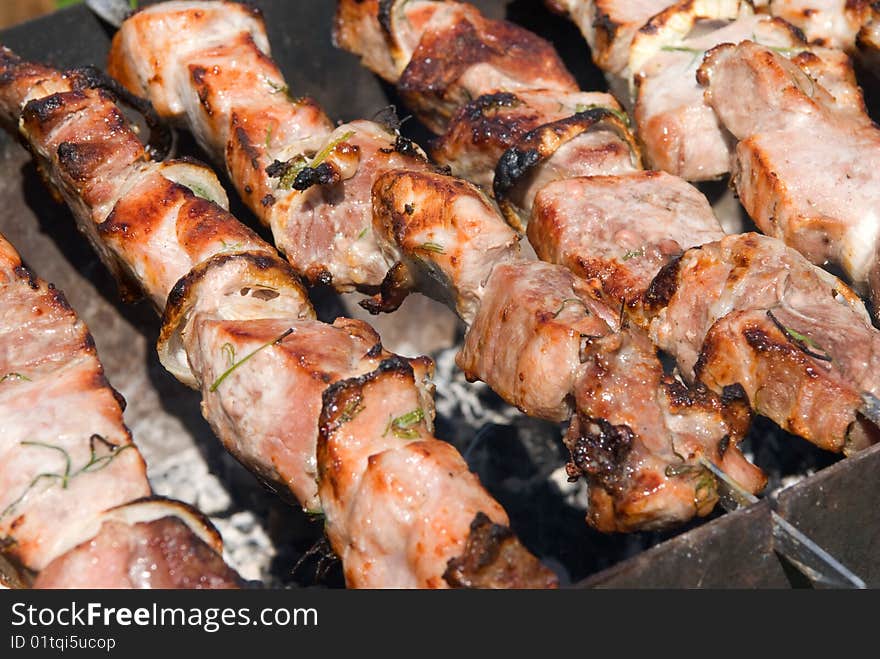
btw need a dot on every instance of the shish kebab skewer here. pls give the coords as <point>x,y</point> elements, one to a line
<point>76,509</point>
<point>637,434</point>
<point>829,215</point>
<point>343,426</point>
<point>742,311</point>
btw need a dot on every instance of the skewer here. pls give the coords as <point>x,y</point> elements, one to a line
<point>696,307</point>
<point>235,316</point>
<point>443,237</point>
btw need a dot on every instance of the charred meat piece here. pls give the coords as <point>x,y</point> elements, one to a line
<point>445,233</point>
<point>543,343</point>
<point>236,318</point>
<point>787,124</point>
<point>609,26</point>
<point>69,467</point>
<point>388,486</point>
<point>679,131</point>
<point>832,23</point>
<point>748,311</point>
<point>481,131</point>
<point>620,230</point>
<point>443,62</point>
<point>300,176</point>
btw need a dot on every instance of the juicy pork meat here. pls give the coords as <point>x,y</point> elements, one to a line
<point>609,26</point>
<point>301,176</point>
<point>678,130</point>
<point>832,23</point>
<point>236,315</point>
<point>749,312</point>
<point>620,230</point>
<point>540,339</point>
<point>625,231</point>
<point>70,474</point>
<point>443,237</point>
<point>805,170</point>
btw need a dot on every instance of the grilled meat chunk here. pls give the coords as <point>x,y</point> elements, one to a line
<point>69,467</point>
<point>786,124</point>
<point>679,132</point>
<point>446,54</point>
<point>748,311</point>
<point>620,230</point>
<point>609,26</point>
<point>446,234</point>
<point>388,486</point>
<point>543,343</point>
<point>299,175</point>
<point>480,132</point>
<point>832,23</point>
<point>236,313</point>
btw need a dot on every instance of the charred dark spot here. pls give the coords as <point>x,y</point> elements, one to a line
<point>268,200</point>
<point>663,286</point>
<point>599,451</point>
<point>277,169</point>
<point>23,273</point>
<point>375,351</point>
<point>493,557</point>
<point>723,445</point>
<point>733,393</point>
<point>406,147</point>
<point>79,160</point>
<point>475,110</point>
<point>250,151</point>
<point>324,174</point>
<point>384,15</point>
<point>42,109</point>
<point>511,167</point>
<point>248,189</point>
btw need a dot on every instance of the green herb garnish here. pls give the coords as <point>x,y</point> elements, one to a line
<point>352,409</point>
<point>14,376</point>
<point>633,254</point>
<point>802,341</point>
<point>623,116</point>
<point>402,426</point>
<point>235,365</point>
<point>432,247</point>
<point>229,351</point>
<point>362,233</point>
<point>299,163</point>
<point>567,301</point>
<point>95,462</point>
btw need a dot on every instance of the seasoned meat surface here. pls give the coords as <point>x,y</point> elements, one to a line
<point>786,123</point>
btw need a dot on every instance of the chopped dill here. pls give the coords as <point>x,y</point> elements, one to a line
<point>623,116</point>
<point>14,376</point>
<point>633,254</point>
<point>96,462</point>
<point>403,426</point>
<point>235,365</point>
<point>432,247</point>
<point>229,351</point>
<point>565,302</point>
<point>299,163</point>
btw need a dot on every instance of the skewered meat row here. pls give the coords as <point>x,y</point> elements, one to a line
<point>787,124</point>
<point>678,129</point>
<point>829,219</point>
<point>832,23</point>
<point>237,316</point>
<point>639,452</point>
<point>740,313</point>
<point>76,509</point>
